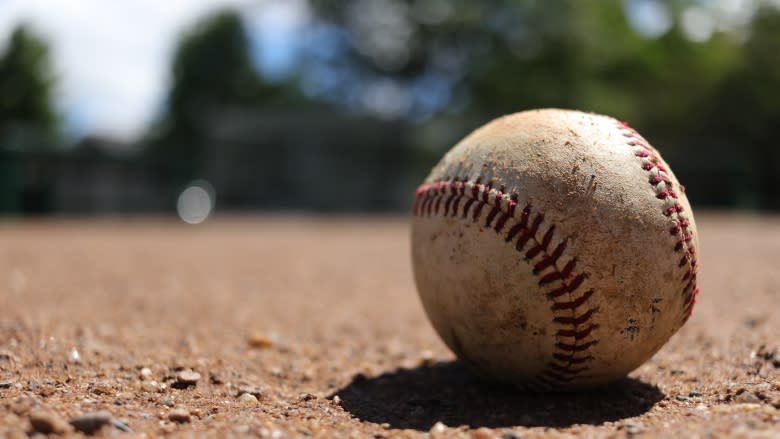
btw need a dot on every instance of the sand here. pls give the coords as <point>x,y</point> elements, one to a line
<point>299,327</point>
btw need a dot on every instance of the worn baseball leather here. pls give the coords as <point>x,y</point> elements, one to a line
<point>554,249</point>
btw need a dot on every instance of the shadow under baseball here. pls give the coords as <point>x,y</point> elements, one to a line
<point>418,398</point>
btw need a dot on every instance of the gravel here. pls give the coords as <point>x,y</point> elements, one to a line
<point>186,378</point>
<point>179,415</point>
<point>160,314</point>
<point>48,422</point>
<point>91,423</point>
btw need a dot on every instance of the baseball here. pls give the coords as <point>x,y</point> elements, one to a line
<point>554,249</point>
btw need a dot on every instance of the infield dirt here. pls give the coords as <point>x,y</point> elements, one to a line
<point>296,327</point>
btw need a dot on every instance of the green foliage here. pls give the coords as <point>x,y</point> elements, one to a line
<point>742,112</point>
<point>717,99</point>
<point>711,105</point>
<point>26,87</point>
<point>211,71</point>
<point>211,66</point>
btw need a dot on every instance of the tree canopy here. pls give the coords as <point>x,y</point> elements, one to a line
<point>26,89</point>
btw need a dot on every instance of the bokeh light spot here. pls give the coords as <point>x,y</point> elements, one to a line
<point>196,202</point>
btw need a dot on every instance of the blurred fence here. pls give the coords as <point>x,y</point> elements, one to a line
<point>377,90</point>
<point>311,161</point>
<point>316,161</point>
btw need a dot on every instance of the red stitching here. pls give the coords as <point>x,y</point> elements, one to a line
<point>520,225</point>
<point>573,360</point>
<point>566,288</point>
<point>553,381</point>
<point>663,187</point>
<point>556,275</point>
<point>565,370</point>
<point>577,335</point>
<point>574,328</point>
<point>568,347</point>
<point>551,259</point>
<point>576,321</point>
<point>492,215</point>
<point>556,376</point>
<point>446,205</point>
<point>573,304</point>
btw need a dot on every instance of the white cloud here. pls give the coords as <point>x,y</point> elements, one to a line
<point>112,57</point>
<point>697,23</point>
<point>650,18</point>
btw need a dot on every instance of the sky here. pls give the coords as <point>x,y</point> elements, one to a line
<point>112,57</point>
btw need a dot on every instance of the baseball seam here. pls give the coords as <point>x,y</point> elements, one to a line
<point>453,197</point>
<point>664,189</point>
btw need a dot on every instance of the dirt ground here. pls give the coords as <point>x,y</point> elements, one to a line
<point>293,327</point>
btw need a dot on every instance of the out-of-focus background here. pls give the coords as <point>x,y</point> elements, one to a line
<point>157,113</point>
<point>324,106</point>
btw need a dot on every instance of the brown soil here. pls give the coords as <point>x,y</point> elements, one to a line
<point>319,321</point>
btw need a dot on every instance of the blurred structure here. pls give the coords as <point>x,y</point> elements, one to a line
<point>373,91</point>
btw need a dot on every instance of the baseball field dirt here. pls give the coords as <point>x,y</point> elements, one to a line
<point>285,327</point>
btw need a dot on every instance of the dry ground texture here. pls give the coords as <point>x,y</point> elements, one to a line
<point>294,327</point>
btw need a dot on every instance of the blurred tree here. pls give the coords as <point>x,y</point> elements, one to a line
<point>501,56</point>
<point>678,84</point>
<point>450,65</point>
<point>211,69</point>
<point>743,112</point>
<point>27,115</point>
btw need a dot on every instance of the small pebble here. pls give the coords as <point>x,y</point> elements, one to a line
<point>256,391</point>
<point>633,429</point>
<point>337,399</point>
<point>6,384</point>
<point>101,388</point>
<point>121,426</point>
<point>482,433</point>
<point>747,397</point>
<point>259,341</point>
<point>168,402</point>
<point>438,429</point>
<point>247,398</point>
<point>682,398</point>
<point>695,394</point>
<point>241,429</point>
<point>427,357</point>
<point>91,422</point>
<point>186,378</point>
<point>150,386</point>
<point>74,356</point>
<point>47,422</point>
<point>146,373</point>
<point>10,419</point>
<point>179,415</point>
<point>7,356</point>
